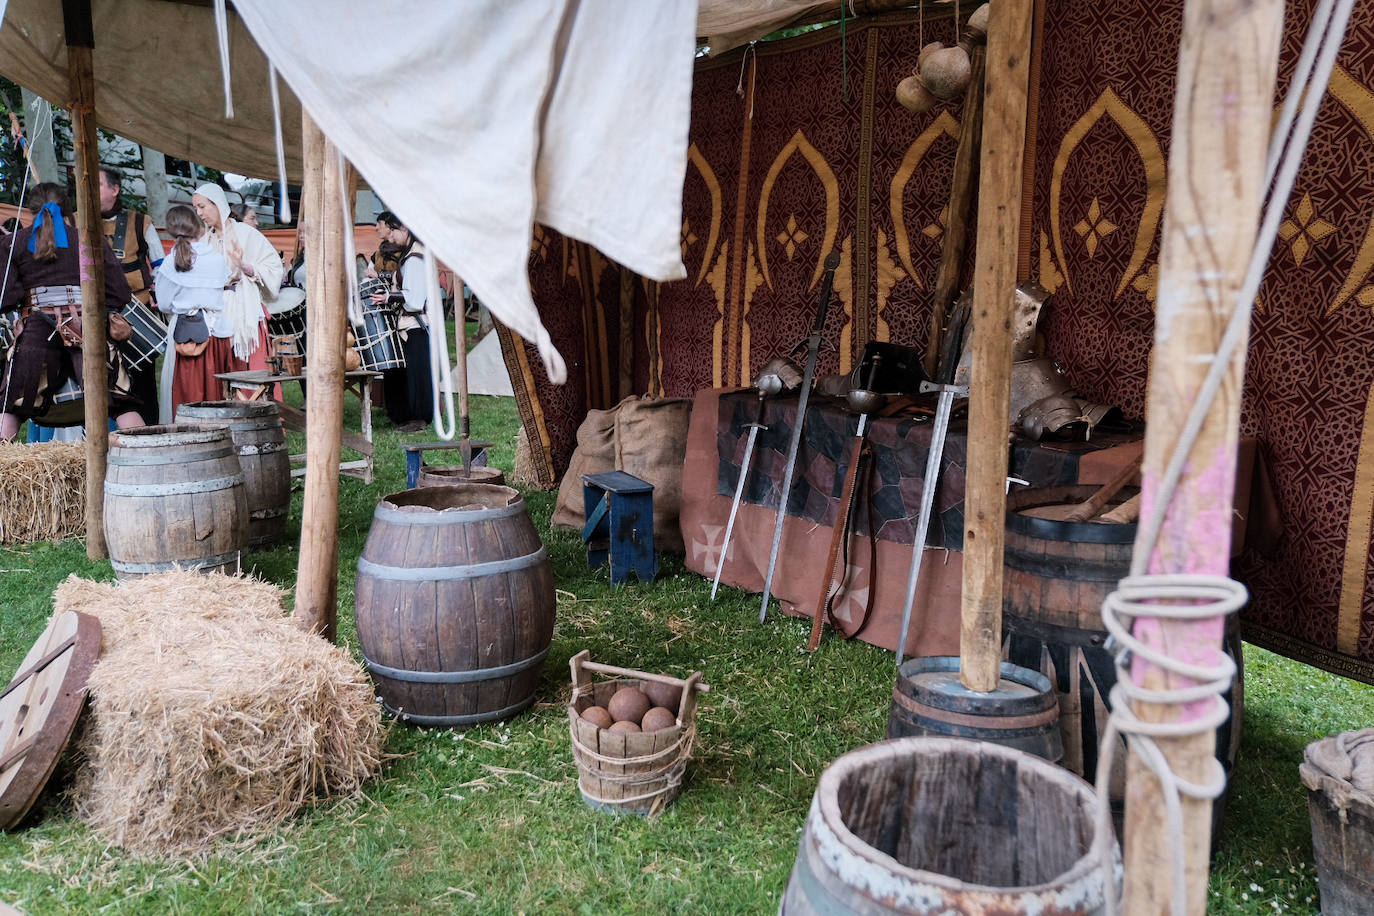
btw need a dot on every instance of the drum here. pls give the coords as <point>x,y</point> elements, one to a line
<point>68,405</point>
<point>149,337</point>
<point>378,344</point>
<point>6,336</point>
<point>286,322</point>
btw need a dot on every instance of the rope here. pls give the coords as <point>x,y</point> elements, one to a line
<point>222,36</point>
<point>284,211</point>
<point>1201,597</point>
<point>4,284</point>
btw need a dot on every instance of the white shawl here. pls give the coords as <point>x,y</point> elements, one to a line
<point>244,303</point>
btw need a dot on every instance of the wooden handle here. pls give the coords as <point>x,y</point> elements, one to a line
<point>1093,504</point>
<point>645,676</point>
<point>1123,514</point>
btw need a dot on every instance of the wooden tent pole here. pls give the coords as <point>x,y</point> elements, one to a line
<point>326,315</point>
<point>1226,74</point>
<point>994,285</point>
<point>961,188</point>
<point>76,17</point>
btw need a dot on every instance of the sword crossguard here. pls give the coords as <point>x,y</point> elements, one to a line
<point>805,344</point>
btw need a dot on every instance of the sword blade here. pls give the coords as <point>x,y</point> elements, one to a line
<point>928,484</point>
<point>734,506</point>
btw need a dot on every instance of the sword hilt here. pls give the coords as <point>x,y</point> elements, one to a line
<point>832,261</point>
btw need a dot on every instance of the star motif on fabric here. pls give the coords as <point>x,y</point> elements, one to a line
<point>1304,229</point>
<point>937,228</point>
<point>539,242</point>
<point>1095,228</point>
<point>791,237</point>
<point>689,237</point>
<point>707,552</point>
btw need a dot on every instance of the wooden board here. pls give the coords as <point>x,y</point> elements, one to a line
<point>40,707</point>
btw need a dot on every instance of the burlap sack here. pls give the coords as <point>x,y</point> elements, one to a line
<point>594,454</point>
<point>646,437</point>
<point>651,444</point>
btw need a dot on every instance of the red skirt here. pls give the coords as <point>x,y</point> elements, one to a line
<point>193,379</point>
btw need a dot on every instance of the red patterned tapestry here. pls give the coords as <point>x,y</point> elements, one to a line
<point>800,147</point>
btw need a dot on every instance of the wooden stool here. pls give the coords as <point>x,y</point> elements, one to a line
<point>619,510</point>
<point>415,454</point>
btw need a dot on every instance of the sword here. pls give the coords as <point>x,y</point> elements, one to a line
<point>918,547</point>
<point>739,489</point>
<point>813,345</point>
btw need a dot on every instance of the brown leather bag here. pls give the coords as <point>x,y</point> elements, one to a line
<point>117,327</point>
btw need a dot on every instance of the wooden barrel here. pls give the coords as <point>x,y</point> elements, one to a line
<point>174,496</point>
<point>930,699</point>
<point>454,604</point>
<point>260,440</point>
<point>1342,812</point>
<point>945,825</point>
<point>449,475</point>
<point>1056,577</point>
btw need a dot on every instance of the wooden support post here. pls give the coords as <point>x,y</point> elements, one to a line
<point>326,315</point>
<point>961,188</point>
<point>76,15</point>
<point>994,293</point>
<point>1226,74</point>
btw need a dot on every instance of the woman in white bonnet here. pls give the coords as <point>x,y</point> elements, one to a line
<point>238,334</point>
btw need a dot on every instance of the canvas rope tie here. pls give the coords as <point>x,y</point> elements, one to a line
<point>1201,597</point>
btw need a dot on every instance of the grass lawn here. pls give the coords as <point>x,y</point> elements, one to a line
<point>489,820</point>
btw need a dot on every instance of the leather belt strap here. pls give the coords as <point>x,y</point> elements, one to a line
<point>839,542</point>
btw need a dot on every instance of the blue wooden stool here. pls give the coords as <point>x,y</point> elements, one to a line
<point>619,510</point>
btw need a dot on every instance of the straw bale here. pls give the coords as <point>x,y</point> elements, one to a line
<point>42,491</point>
<point>212,714</point>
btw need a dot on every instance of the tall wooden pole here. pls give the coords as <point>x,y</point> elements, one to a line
<point>326,297</point>
<point>994,291</point>
<point>1226,73</point>
<point>961,188</point>
<point>76,15</point>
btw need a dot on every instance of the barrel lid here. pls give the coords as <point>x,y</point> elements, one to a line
<point>1055,530</point>
<point>40,708</point>
<point>170,434</point>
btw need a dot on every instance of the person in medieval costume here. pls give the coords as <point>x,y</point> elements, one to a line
<point>409,398</point>
<point>238,333</point>
<point>43,283</point>
<point>139,250</point>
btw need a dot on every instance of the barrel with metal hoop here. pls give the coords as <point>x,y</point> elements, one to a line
<point>286,322</point>
<point>174,496</point>
<point>1056,575</point>
<point>148,335</point>
<point>378,344</point>
<point>454,604</point>
<point>260,442</point>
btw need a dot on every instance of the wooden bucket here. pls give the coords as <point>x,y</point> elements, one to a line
<point>945,825</point>
<point>1342,822</point>
<point>260,440</point>
<point>931,700</point>
<point>1056,576</point>
<point>454,604</point>
<point>448,475</point>
<point>634,773</point>
<point>174,496</point>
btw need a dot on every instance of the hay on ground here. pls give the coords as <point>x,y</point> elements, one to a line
<point>212,714</point>
<point>42,491</point>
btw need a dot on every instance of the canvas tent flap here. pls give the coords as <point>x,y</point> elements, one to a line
<point>471,119</point>
<point>157,80</point>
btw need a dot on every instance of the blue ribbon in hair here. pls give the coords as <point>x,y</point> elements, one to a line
<point>59,228</point>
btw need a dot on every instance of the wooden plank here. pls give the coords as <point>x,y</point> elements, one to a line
<point>1222,116</point>
<point>76,16</point>
<point>999,223</point>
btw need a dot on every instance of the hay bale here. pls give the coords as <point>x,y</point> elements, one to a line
<point>42,491</point>
<point>212,714</point>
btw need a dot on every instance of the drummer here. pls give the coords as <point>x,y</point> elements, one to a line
<point>409,397</point>
<point>44,259</point>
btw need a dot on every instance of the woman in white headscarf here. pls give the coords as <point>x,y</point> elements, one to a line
<point>238,335</point>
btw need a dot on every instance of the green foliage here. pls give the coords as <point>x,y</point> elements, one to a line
<point>489,820</point>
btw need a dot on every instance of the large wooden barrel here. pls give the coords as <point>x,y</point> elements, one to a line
<point>174,496</point>
<point>1342,813</point>
<point>930,699</point>
<point>1056,576</point>
<point>260,440</point>
<point>454,604</point>
<point>945,825</point>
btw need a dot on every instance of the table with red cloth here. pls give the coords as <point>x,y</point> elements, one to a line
<point>885,516</point>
